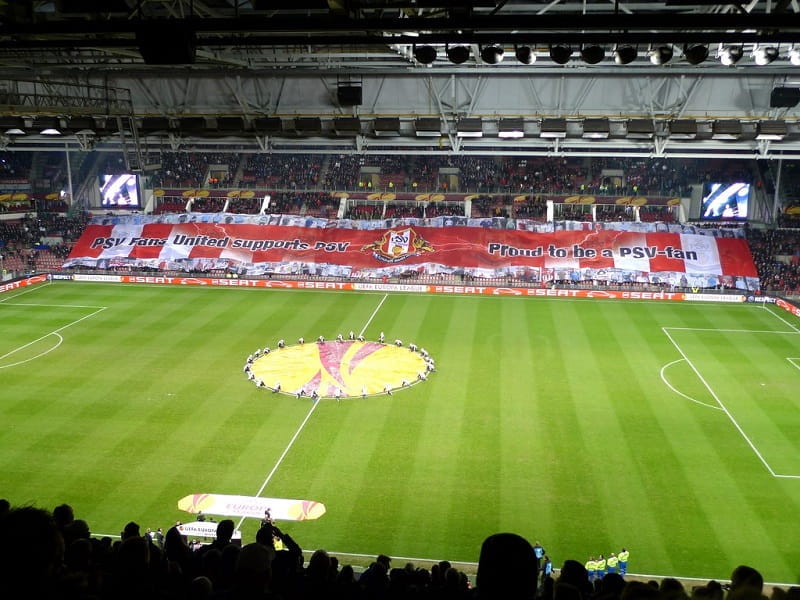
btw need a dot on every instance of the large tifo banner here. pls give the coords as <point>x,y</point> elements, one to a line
<point>250,249</point>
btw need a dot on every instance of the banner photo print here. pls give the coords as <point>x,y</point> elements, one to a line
<point>250,249</point>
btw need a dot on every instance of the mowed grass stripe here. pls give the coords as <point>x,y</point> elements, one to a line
<point>475,423</point>
<point>522,429</point>
<point>563,374</point>
<point>685,458</point>
<point>648,416</point>
<point>746,376</point>
<point>148,427</point>
<point>724,469</point>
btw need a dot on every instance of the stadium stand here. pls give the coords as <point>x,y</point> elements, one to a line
<point>54,555</point>
<point>304,185</point>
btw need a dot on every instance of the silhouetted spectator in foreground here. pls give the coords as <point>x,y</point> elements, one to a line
<point>746,584</point>
<point>131,530</point>
<point>744,576</point>
<point>507,568</point>
<point>574,573</point>
<point>31,553</point>
<point>639,590</point>
<point>63,515</point>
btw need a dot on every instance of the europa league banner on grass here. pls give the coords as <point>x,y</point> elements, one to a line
<point>250,249</point>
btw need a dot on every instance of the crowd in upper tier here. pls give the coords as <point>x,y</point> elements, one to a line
<point>399,173</point>
<point>53,556</point>
<point>511,187</point>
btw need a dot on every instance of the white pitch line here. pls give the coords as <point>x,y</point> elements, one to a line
<point>27,291</point>
<point>53,305</point>
<point>772,312</point>
<point>669,385</point>
<point>724,408</point>
<point>374,312</point>
<point>733,330</point>
<point>55,331</point>
<point>303,424</point>
<point>283,455</point>
<point>48,351</point>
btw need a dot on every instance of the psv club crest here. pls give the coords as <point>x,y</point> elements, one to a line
<point>396,245</point>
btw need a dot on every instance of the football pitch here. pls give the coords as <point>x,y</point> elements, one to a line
<point>672,429</point>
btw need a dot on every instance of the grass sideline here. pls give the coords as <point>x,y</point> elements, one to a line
<point>585,424</point>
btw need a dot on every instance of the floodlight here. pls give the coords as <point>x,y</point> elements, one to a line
<point>660,55</point>
<point>82,125</point>
<point>308,125</point>
<point>12,125</point>
<point>268,125</point>
<point>763,55</point>
<point>470,127</point>
<point>730,55</point>
<point>386,126</point>
<point>592,54</point>
<point>641,129</point>
<point>560,54</point>
<point>771,130</point>
<point>525,55</point>
<point>424,54</point>
<point>457,54</point>
<point>695,53</point>
<point>625,54</point>
<point>428,127</point>
<point>553,128</point>
<point>596,129</point>
<point>492,54</point>
<point>48,126</point>
<point>683,129</point>
<point>511,128</point>
<point>347,126</point>
<point>726,129</point>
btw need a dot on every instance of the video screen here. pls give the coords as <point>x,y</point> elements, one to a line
<point>727,201</point>
<point>119,190</point>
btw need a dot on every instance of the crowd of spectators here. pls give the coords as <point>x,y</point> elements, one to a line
<point>53,555</point>
<point>282,171</point>
<point>38,241</point>
<point>400,210</point>
<point>404,173</point>
<point>444,209</point>
<point>193,169</point>
<point>208,205</point>
<point>776,253</point>
<point>544,175</point>
<point>342,171</point>
<point>364,211</point>
<point>507,182</point>
<point>790,215</point>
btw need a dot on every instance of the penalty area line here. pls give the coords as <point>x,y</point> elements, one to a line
<point>724,408</point>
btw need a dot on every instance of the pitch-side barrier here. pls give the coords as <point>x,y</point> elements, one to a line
<point>469,290</point>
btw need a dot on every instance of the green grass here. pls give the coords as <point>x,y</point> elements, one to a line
<point>547,417</point>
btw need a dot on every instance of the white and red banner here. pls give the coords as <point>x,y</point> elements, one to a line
<point>282,509</point>
<point>690,259</point>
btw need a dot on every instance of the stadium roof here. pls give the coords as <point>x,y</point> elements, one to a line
<point>243,74</point>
